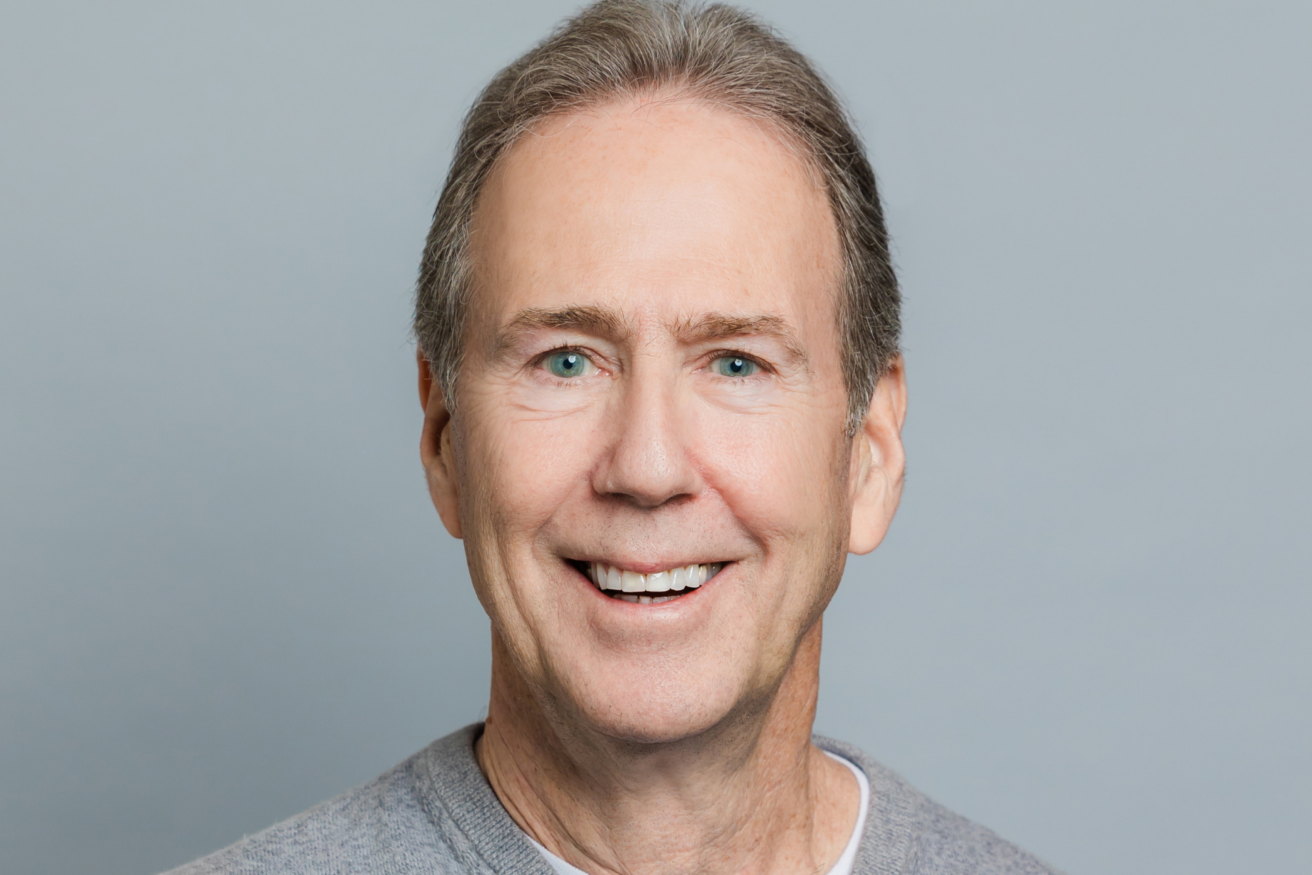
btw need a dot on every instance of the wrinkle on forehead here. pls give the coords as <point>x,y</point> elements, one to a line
<point>598,143</point>
<point>655,204</point>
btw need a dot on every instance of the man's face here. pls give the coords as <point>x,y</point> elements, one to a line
<point>652,381</point>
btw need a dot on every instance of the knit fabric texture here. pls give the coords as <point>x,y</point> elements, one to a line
<point>435,814</point>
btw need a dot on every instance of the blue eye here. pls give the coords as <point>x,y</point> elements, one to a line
<point>569,364</point>
<point>735,366</point>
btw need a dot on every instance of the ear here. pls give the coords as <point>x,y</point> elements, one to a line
<point>879,462</point>
<point>436,450</point>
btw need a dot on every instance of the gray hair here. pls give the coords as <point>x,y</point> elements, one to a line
<point>621,48</point>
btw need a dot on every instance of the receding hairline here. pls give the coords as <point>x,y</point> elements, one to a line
<point>772,134</point>
<point>661,94</point>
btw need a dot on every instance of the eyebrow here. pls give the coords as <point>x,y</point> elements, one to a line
<point>606,322</point>
<point>592,320</point>
<point>710,327</point>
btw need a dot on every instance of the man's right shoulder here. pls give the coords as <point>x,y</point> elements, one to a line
<point>433,814</point>
<point>360,832</point>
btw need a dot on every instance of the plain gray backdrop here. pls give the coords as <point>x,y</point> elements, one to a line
<point>226,597</point>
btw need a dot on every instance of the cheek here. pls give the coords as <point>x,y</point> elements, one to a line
<point>778,473</point>
<point>520,469</point>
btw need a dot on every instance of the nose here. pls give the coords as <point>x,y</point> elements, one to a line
<point>648,461</point>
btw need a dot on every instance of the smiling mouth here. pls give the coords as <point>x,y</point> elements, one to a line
<point>648,589</point>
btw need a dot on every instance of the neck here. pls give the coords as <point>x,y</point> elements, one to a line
<point>751,796</point>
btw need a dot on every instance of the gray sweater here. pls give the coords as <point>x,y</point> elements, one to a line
<point>436,813</point>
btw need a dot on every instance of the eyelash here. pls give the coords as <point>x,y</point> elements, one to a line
<point>540,360</point>
<point>739,354</point>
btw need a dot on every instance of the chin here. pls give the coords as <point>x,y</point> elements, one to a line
<point>661,725</point>
<point>660,708</point>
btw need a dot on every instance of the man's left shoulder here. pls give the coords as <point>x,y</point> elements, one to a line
<point>909,833</point>
<point>950,843</point>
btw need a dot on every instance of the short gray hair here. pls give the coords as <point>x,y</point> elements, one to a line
<point>621,48</point>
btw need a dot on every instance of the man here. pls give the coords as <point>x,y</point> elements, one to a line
<point>662,395</point>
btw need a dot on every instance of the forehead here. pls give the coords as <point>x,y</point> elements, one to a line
<point>656,205</point>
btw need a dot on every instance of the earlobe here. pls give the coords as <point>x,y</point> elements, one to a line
<point>436,450</point>
<point>878,462</point>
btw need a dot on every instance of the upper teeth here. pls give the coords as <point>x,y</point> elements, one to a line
<point>671,580</point>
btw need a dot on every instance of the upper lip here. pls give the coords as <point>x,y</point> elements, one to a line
<point>649,567</point>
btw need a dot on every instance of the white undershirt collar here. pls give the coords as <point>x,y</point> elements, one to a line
<point>845,862</point>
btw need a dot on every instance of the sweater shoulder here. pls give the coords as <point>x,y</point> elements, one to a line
<point>377,827</point>
<point>947,844</point>
<point>908,833</point>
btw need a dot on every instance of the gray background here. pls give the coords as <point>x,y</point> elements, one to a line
<point>224,596</point>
